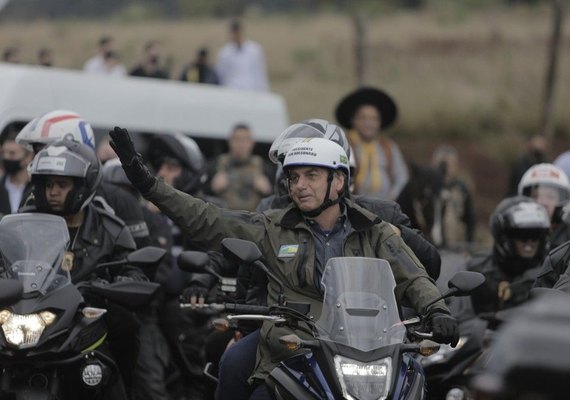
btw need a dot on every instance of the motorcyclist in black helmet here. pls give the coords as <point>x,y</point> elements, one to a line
<point>65,176</point>
<point>520,229</point>
<point>180,157</point>
<point>180,162</point>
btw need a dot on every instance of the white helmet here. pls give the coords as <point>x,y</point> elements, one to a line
<point>317,152</point>
<point>318,128</point>
<point>54,126</point>
<point>545,175</point>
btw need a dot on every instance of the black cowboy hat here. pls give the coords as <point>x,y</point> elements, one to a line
<point>366,95</point>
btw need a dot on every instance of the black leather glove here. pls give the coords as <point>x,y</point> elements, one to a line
<point>444,327</point>
<point>194,292</point>
<point>132,162</point>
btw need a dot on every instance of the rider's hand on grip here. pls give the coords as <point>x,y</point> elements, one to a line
<point>132,162</point>
<point>195,295</point>
<point>100,281</point>
<point>444,328</point>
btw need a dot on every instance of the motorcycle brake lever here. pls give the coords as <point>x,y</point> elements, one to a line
<point>423,335</point>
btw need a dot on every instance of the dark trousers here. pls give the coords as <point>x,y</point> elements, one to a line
<point>236,366</point>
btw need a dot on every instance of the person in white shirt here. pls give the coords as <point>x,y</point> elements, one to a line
<point>241,63</point>
<point>106,62</point>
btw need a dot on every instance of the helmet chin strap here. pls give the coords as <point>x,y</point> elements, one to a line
<point>326,203</point>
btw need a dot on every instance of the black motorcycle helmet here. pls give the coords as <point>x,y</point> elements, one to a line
<point>179,148</point>
<point>518,217</point>
<point>69,159</point>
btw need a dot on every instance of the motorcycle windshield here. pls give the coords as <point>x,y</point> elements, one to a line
<point>32,247</point>
<point>359,306</point>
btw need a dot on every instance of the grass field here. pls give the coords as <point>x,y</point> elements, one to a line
<point>473,78</point>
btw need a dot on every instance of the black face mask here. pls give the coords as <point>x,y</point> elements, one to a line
<point>12,167</point>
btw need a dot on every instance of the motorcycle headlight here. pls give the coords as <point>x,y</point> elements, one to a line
<point>25,330</point>
<point>364,381</point>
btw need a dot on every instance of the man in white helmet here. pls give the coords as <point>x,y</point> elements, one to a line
<point>297,241</point>
<point>549,186</point>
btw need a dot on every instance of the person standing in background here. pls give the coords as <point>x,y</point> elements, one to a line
<point>200,70</point>
<point>11,55</point>
<point>150,65</point>
<point>239,177</point>
<point>96,64</point>
<point>455,209</point>
<point>535,154</point>
<point>366,113</point>
<point>15,186</point>
<point>45,57</point>
<point>241,62</point>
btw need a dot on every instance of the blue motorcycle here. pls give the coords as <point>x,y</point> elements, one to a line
<point>359,347</point>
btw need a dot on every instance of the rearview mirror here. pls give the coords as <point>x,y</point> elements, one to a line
<point>193,261</point>
<point>244,250</point>
<point>146,256</point>
<point>464,282</point>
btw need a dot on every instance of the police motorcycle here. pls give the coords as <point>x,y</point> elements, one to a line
<point>52,343</point>
<point>360,348</point>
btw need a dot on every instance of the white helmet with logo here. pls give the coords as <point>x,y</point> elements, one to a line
<point>545,175</point>
<point>317,152</point>
<point>54,126</point>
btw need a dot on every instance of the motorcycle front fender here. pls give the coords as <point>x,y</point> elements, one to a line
<point>283,387</point>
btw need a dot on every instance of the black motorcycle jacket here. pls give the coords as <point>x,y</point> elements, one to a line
<point>553,266</point>
<point>102,237</point>
<point>500,290</point>
<point>126,207</point>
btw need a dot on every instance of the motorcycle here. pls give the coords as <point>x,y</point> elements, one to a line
<point>450,371</point>
<point>53,344</point>
<point>360,348</point>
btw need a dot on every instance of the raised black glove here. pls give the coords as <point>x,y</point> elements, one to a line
<point>132,162</point>
<point>444,328</point>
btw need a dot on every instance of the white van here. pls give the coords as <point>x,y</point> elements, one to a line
<point>143,105</point>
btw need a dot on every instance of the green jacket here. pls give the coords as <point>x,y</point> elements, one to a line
<point>287,245</point>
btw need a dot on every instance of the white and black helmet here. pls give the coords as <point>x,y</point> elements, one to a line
<point>317,152</point>
<point>518,217</point>
<point>548,175</point>
<point>310,128</point>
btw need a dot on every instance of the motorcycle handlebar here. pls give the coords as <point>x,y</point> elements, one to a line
<point>231,307</point>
